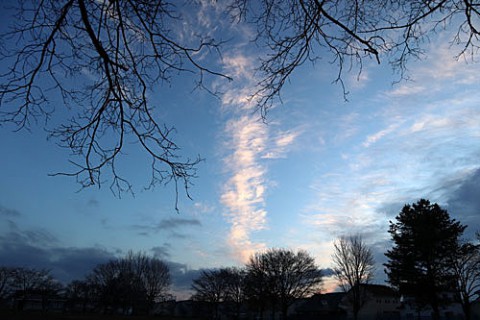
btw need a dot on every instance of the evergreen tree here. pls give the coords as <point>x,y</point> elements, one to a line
<point>425,238</point>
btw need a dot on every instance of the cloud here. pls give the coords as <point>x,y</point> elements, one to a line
<point>202,208</point>
<point>445,65</point>
<point>8,212</point>
<point>172,225</point>
<point>162,252</point>
<point>407,89</point>
<point>36,236</point>
<point>440,70</point>
<point>348,126</point>
<point>248,144</point>
<point>75,263</point>
<point>282,142</point>
<point>38,249</point>
<point>243,194</point>
<point>464,202</point>
<point>18,249</point>
<point>182,278</point>
<point>373,138</point>
<point>420,140</point>
<point>94,203</point>
<point>239,66</point>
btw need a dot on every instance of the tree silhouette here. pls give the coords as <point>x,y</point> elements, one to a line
<point>212,287</point>
<point>284,276</point>
<point>133,282</point>
<point>80,295</point>
<point>5,281</point>
<point>236,288</point>
<point>466,267</point>
<point>348,33</point>
<point>354,267</point>
<point>419,263</point>
<point>104,58</point>
<point>26,281</point>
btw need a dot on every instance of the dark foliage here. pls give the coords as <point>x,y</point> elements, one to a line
<point>419,263</point>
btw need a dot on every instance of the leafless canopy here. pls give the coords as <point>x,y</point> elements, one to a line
<point>103,59</point>
<point>282,276</point>
<point>466,269</point>
<point>354,267</point>
<point>346,32</point>
<point>134,280</point>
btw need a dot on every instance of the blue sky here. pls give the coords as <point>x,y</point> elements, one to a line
<point>320,168</point>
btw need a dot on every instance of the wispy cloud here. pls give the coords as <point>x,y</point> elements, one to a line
<point>162,252</point>
<point>37,236</point>
<point>172,225</point>
<point>8,212</point>
<point>419,140</point>
<point>249,143</point>
<point>243,193</point>
<point>373,138</point>
<point>407,89</point>
<point>281,144</point>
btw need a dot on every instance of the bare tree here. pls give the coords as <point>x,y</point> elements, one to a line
<point>236,288</point>
<point>26,281</point>
<point>102,59</point>
<point>347,33</point>
<point>80,295</point>
<point>354,267</point>
<point>211,287</point>
<point>134,282</point>
<point>5,281</point>
<point>153,273</point>
<point>466,268</point>
<point>286,276</point>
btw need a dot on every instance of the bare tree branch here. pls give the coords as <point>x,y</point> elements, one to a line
<point>345,33</point>
<point>102,60</point>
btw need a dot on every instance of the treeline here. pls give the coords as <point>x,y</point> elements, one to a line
<point>271,281</point>
<point>428,261</point>
<point>129,285</point>
<point>429,264</point>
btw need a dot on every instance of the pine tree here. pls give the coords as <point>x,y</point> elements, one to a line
<point>425,238</point>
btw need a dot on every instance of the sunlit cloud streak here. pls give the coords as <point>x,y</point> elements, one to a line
<point>243,194</point>
<point>249,142</point>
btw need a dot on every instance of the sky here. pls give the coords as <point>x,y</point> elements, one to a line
<point>319,168</point>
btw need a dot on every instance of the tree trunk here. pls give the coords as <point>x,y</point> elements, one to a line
<point>435,306</point>
<point>284,311</point>
<point>467,310</point>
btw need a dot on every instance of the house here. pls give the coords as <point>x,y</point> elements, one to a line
<point>449,309</point>
<point>321,306</point>
<point>379,302</point>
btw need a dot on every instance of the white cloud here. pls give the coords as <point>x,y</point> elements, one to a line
<point>418,141</point>
<point>243,194</point>
<point>283,141</point>
<point>407,89</point>
<point>373,138</point>
<point>238,66</point>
